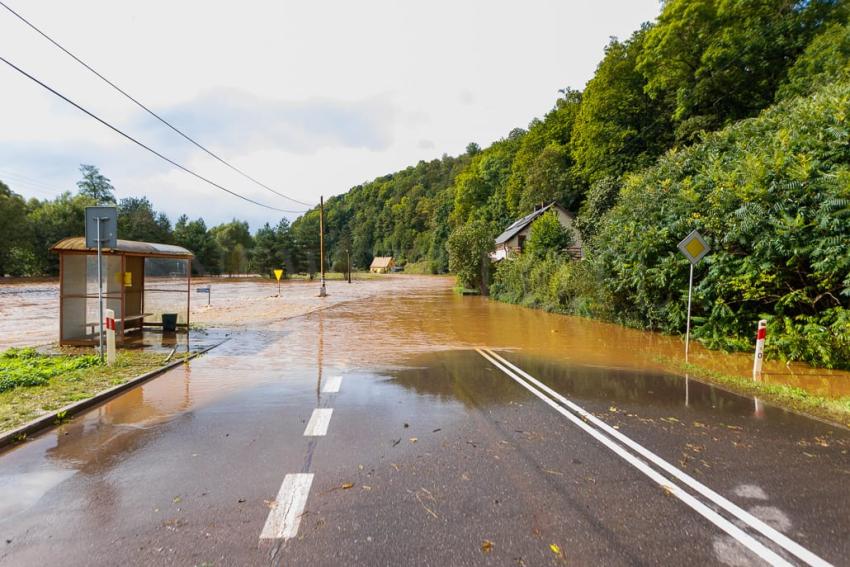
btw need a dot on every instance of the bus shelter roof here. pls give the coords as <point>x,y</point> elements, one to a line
<point>129,247</point>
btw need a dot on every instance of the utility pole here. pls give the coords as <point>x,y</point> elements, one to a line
<point>322,290</point>
<point>348,256</point>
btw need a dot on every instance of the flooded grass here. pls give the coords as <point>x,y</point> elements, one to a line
<point>835,410</point>
<point>32,384</point>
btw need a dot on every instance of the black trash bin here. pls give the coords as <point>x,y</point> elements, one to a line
<point>169,322</point>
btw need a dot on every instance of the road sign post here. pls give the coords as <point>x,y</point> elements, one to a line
<point>110,337</point>
<point>278,274</point>
<point>694,248</point>
<point>322,290</point>
<point>208,291</point>
<point>101,230</point>
<point>759,359</point>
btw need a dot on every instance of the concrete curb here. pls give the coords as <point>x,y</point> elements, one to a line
<point>48,420</point>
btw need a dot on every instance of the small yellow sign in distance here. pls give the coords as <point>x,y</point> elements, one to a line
<point>694,247</point>
<point>278,274</point>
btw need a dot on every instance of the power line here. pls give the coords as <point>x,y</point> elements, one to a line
<point>137,142</point>
<point>148,110</point>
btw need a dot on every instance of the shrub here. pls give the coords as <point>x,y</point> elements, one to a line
<point>772,197</point>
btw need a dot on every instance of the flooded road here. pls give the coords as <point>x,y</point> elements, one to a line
<point>408,426</point>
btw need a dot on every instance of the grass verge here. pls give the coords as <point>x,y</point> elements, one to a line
<point>32,384</point>
<point>780,395</point>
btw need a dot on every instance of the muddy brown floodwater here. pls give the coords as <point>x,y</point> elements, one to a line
<point>436,320</point>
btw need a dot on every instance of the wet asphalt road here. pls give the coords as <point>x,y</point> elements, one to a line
<point>431,457</point>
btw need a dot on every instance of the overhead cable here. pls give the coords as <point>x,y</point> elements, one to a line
<point>138,143</point>
<point>149,111</point>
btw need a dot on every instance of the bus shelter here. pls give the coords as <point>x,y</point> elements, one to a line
<point>147,285</point>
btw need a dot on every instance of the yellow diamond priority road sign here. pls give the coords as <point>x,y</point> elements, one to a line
<point>694,247</point>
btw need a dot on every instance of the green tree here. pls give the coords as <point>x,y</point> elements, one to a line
<point>236,242</point>
<point>543,169</point>
<point>95,186</point>
<point>721,61</point>
<point>469,246</point>
<point>547,236</point>
<point>619,128</point>
<point>137,220</point>
<point>15,234</point>
<point>600,198</point>
<point>54,220</point>
<point>194,236</point>
<point>825,61</point>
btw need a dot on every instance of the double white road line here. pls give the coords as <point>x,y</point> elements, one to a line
<point>643,460</point>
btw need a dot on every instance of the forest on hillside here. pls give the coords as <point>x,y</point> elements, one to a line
<point>726,116</point>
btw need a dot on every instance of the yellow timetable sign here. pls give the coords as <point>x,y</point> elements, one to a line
<point>694,247</point>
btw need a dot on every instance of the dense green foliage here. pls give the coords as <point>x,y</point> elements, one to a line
<point>547,235</point>
<point>469,247</point>
<point>26,367</point>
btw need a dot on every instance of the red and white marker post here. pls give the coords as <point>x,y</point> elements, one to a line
<point>109,324</point>
<point>759,360</point>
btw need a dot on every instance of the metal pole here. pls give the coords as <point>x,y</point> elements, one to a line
<point>100,286</point>
<point>688,328</point>
<point>348,256</point>
<point>322,291</point>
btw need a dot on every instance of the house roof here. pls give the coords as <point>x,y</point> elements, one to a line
<point>381,262</point>
<point>520,224</point>
<point>78,244</point>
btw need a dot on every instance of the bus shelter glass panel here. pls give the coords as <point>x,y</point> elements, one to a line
<point>80,305</point>
<point>166,289</point>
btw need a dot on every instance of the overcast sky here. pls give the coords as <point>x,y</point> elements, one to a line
<point>309,97</point>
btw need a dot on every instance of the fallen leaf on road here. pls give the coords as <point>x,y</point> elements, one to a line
<point>547,471</point>
<point>487,546</point>
<point>612,409</point>
<point>347,485</point>
<point>176,500</point>
<point>366,487</point>
<point>556,550</point>
<point>413,439</point>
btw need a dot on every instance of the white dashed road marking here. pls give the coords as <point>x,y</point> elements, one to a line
<point>332,385</point>
<point>319,422</point>
<point>285,515</point>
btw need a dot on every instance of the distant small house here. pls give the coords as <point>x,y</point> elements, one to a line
<point>382,265</point>
<point>513,239</point>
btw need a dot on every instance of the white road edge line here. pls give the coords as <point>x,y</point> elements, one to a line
<point>332,385</point>
<point>319,422</point>
<point>756,547</point>
<point>771,533</point>
<point>285,515</point>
